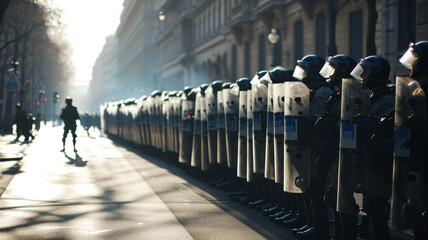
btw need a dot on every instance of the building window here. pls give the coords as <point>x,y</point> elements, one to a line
<point>262,52</point>
<point>320,35</point>
<point>356,34</point>
<point>247,58</point>
<point>234,63</point>
<point>277,52</point>
<point>298,40</point>
<point>406,23</point>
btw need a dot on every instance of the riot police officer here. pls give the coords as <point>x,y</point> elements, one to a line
<point>308,70</point>
<point>326,140</point>
<point>373,72</point>
<point>409,199</point>
<point>69,115</point>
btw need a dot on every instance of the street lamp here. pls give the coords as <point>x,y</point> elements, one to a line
<point>161,16</point>
<point>273,36</point>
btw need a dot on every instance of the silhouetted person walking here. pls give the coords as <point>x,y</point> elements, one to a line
<point>20,119</point>
<point>69,115</point>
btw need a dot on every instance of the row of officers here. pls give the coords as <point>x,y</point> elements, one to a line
<point>300,143</point>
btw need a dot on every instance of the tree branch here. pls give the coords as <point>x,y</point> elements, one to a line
<point>28,32</point>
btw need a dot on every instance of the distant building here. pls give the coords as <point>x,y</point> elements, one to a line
<point>172,43</point>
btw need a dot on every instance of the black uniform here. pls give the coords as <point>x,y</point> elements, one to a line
<point>69,115</point>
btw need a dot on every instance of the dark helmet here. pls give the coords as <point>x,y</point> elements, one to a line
<point>373,68</point>
<point>244,84</point>
<point>339,66</point>
<point>308,69</point>
<point>187,89</point>
<point>204,87</point>
<point>416,57</point>
<point>192,94</point>
<point>156,93</point>
<point>260,74</point>
<point>217,85</point>
<point>68,101</point>
<point>226,85</point>
<point>280,75</point>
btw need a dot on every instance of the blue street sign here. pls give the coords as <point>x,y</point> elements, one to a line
<point>12,84</point>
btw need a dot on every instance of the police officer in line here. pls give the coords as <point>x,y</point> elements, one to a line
<point>326,139</point>
<point>308,70</point>
<point>410,187</point>
<point>69,115</point>
<point>20,119</point>
<point>373,72</point>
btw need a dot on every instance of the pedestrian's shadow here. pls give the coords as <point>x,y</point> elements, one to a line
<point>77,160</point>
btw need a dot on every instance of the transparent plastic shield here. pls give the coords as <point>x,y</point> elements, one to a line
<point>296,151</point>
<point>204,116</point>
<point>409,58</point>
<point>220,110</point>
<point>270,98</point>
<point>259,96</point>
<point>249,104</point>
<point>327,70</point>
<point>299,72</point>
<point>355,100</point>
<point>278,97</point>
<point>198,107</point>
<point>231,102</point>
<point>243,104</point>
<point>354,142</point>
<point>409,174</point>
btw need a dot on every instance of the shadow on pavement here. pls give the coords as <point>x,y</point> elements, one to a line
<point>77,160</point>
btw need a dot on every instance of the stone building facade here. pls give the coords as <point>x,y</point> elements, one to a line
<point>168,44</point>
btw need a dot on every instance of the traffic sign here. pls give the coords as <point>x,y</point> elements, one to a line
<point>12,84</point>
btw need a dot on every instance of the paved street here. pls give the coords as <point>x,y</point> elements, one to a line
<point>109,191</point>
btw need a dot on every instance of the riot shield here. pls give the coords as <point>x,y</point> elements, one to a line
<point>177,120</point>
<point>231,102</point>
<point>259,106</point>
<point>409,179</point>
<point>221,132</point>
<point>278,129</point>
<point>204,136</point>
<point>242,136</point>
<point>296,151</point>
<point>250,170</point>
<point>354,142</point>
<point>164,128</point>
<point>211,106</point>
<point>269,156</point>
<point>186,135</point>
<point>197,132</point>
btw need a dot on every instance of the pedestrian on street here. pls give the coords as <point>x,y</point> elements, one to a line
<point>20,118</point>
<point>27,127</point>
<point>69,115</point>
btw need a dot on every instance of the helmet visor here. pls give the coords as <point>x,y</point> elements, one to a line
<point>362,71</point>
<point>409,58</point>
<point>301,69</point>
<point>327,70</point>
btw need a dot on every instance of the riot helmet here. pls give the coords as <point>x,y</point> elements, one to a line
<point>226,85</point>
<point>338,67</point>
<point>203,88</point>
<point>372,70</point>
<point>187,89</point>
<point>192,94</point>
<point>260,74</point>
<point>308,69</point>
<point>244,84</point>
<point>217,85</point>
<point>416,58</point>
<point>280,75</point>
<point>68,101</point>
